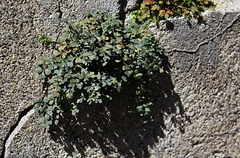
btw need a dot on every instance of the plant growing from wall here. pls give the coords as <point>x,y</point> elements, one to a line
<point>96,56</point>
<point>156,10</point>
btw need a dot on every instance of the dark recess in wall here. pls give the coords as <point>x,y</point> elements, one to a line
<point>122,13</point>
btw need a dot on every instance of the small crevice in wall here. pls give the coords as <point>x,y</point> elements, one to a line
<point>13,127</point>
<point>122,13</point>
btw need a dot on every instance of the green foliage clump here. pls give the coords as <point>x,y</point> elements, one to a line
<point>96,56</point>
<point>156,10</point>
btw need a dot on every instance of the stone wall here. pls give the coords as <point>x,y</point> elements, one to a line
<point>197,100</point>
<point>205,60</point>
<point>22,22</point>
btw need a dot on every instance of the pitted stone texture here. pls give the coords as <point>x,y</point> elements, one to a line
<point>207,84</point>
<point>104,130</point>
<point>198,32</point>
<point>22,22</point>
<point>18,52</point>
<point>39,142</point>
<point>131,4</point>
<point>76,9</point>
<point>227,5</point>
<point>207,81</point>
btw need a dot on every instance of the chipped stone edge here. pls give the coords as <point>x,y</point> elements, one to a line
<point>23,120</point>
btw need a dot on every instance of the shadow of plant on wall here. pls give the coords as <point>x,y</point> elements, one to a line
<point>112,129</point>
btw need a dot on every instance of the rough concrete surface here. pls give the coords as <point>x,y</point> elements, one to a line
<point>205,74</point>
<point>197,112</point>
<point>227,5</point>
<point>22,22</point>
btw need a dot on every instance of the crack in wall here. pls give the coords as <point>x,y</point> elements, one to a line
<point>122,8</point>
<point>26,113</point>
<point>206,41</point>
<point>23,117</point>
<point>59,17</point>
